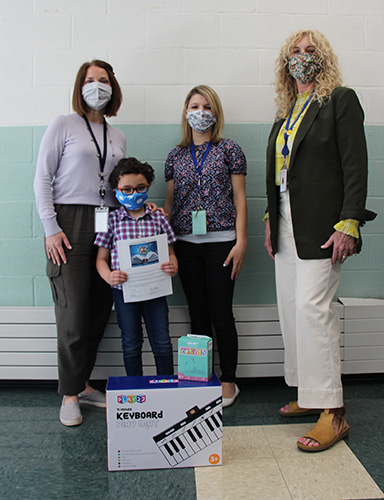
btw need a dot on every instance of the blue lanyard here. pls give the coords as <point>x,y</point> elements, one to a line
<point>199,169</point>
<point>288,129</point>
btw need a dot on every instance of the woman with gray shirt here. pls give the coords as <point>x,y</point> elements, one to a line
<point>77,153</point>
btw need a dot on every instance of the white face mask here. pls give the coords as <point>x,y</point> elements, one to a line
<point>96,94</point>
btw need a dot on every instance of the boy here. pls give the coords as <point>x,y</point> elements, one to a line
<point>130,181</point>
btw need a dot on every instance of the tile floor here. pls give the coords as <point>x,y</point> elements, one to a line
<point>265,461</point>
<point>40,459</point>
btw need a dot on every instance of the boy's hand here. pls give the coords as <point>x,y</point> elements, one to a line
<point>170,268</point>
<point>117,278</point>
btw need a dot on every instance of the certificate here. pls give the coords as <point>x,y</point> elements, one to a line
<point>141,259</point>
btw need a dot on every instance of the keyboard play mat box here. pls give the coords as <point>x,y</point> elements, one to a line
<point>160,423</point>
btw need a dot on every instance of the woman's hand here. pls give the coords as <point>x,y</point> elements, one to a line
<point>153,207</point>
<point>236,255</point>
<point>267,239</point>
<point>170,186</point>
<point>343,246</point>
<point>54,246</point>
<point>117,278</point>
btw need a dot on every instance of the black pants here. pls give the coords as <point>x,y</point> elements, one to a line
<point>209,291</point>
<point>83,300</point>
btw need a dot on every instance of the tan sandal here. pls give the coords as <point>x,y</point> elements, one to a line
<point>324,433</point>
<point>294,410</point>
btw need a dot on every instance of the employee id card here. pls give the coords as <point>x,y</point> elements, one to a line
<point>199,222</point>
<point>101,219</point>
<point>283,180</point>
<point>284,177</point>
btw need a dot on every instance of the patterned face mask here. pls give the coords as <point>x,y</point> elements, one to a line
<point>132,201</point>
<point>304,67</point>
<point>201,120</point>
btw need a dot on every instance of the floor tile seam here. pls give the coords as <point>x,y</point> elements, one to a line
<point>266,437</point>
<point>277,460</point>
<point>349,454</point>
<point>271,459</point>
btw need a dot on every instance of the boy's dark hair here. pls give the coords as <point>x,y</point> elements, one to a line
<point>130,166</point>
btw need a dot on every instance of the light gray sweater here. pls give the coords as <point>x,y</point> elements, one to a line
<point>67,170</point>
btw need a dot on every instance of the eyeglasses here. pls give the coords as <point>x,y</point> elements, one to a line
<point>142,188</point>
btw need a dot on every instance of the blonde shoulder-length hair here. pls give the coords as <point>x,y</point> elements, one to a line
<point>325,82</point>
<point>216,108</point>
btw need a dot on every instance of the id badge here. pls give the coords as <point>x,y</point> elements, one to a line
<point>101,219</point>
<point>199,222</point>
<point>283,180</point>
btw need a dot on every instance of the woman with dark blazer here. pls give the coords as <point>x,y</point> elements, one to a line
<point>316,188</point>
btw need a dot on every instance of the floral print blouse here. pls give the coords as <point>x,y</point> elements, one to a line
<point>215,194</point>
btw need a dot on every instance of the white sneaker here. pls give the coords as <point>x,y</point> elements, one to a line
<point>70,414</point>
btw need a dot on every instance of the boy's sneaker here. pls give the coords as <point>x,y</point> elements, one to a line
<point>70,414</point>
<point>95,398</point>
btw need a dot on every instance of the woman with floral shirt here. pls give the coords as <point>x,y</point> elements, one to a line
<point>206,202</point>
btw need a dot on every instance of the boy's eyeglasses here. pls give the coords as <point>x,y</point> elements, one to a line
<point>143,188</point>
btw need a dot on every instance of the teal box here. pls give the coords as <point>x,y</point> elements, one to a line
<point>195,358</point>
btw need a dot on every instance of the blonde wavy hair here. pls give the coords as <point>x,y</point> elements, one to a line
<point>216,108</point>
<point>325,82</point>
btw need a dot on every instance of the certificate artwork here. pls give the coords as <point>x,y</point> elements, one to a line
<point>144,254</point>
<point>141,259</point>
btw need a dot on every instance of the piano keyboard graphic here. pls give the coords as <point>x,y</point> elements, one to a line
<point>198,430</point>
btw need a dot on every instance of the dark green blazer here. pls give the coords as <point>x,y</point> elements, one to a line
<point>327,173</point>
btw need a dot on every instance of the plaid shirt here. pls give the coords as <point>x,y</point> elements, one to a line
<point>122,226</point>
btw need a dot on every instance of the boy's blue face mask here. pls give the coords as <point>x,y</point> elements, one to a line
<point>132,201</point>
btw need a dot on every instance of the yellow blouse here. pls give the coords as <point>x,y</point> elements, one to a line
<point>301,98</point>
<point>347,226</point>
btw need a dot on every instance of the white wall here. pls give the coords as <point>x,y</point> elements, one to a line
<point>161,48</point>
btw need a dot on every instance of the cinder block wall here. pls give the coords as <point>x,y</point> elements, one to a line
<point>160,49</point>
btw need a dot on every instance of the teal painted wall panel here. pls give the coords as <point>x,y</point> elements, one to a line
<point>16,145</point>
<point>257,260</point>
<point>21,257</point>
<point>16,219</point>
<point>375,204</point>
<point>22,260</point>
<point>150,142</point>
<point>17,177</point>
<point>256,178</point>
<point>16,291</point>
<point>361,284</point>
<point>38,230</point>
<point>376,178</point>
<point>256,210</point>
<point>374,134</point>
<point>255,288</point>
<point>374,245</point>
<point>178,296</point>
<point>42,292</point>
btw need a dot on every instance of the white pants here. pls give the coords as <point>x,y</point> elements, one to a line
<point>308,320</point>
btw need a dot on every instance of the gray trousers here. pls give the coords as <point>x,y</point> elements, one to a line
<point>83,300</point>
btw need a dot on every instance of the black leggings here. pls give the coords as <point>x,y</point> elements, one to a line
<point>209,288</point>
